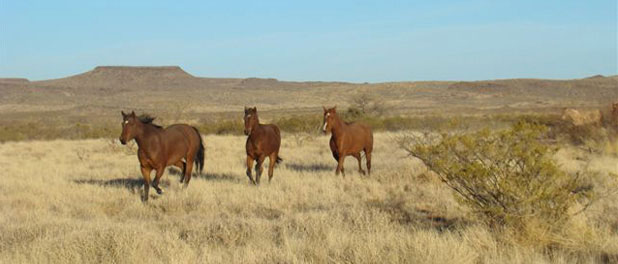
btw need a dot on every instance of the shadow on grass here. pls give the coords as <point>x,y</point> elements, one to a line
<point>404,215</point>
<point>129,183</point>
<point>219,176</point>
<point>205,175</point>
<point>308,167</point>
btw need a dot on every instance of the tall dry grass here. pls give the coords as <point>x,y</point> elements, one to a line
<point>78,202</point>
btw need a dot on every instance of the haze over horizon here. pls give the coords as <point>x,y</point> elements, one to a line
<point>319,41</point>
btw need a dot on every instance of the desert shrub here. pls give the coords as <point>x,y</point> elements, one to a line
<point>581,135</point>
<point>299,123</point>
<point>354,112</point>
<point>591,137</point>
<point>367,104</point>
<point>508,178</point>
<point>47,131</point>
<point>221,127</point>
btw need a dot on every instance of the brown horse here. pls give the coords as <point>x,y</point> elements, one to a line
<point>264,141</point>
<point>159,148</point>
<point>614,115</point>
<point>347,139</point>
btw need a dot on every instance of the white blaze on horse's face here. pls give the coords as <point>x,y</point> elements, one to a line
<point>247,120</point>
<point>325,122</point>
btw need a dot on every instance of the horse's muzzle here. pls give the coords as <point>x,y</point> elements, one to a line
<point>247,132</point>
<point>122,141</point>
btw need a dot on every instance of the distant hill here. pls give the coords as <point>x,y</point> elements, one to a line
<point>107,89</point>
<point>123,77</point>
<point>14,80</point>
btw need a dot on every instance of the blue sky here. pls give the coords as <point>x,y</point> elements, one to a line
<point>358,41</point>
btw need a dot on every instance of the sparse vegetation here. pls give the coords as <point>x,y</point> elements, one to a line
<point>58,208</point>
<point>305,123</point>
<point>77,200</point>
<point>509,179</point>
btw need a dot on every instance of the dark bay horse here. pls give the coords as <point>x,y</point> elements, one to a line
<point>347,139</point>
<point>161,147</point>
<point>264,141</point>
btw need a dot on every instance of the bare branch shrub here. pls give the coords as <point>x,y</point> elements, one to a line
<point>366,104</point>
<point>508,177</point>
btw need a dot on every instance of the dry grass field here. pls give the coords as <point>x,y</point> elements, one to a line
<point>79,201</point>
<point>74,195</point>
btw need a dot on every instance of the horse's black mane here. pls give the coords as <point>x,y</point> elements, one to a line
<point>147,119</point>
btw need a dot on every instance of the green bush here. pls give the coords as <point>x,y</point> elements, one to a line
<point>221,127</point>
<point>506,177</point>
<point>300,123</point>
<point>46,131</point>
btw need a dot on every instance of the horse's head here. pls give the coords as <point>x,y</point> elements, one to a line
<point>129,125</point>
<point>615,108</point>
<point>251,119</point>
<point>329,119</point>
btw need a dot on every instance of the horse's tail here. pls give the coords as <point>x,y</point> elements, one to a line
<point>199,156</point>
<point>279,159</point>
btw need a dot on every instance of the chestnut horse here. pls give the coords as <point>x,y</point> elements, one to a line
<point>159,148</point>
<point>347,139</point>
<point>264,141</point>
<point>614,115</point>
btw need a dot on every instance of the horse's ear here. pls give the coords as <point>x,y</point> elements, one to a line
<point>133,113</point>
<point>325,110</point>
<point>246,109</point>
<point>335,109</point>
<point>255,109</point>
<point>123,114</point>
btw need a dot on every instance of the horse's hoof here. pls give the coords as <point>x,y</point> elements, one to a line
<point>159,191</point>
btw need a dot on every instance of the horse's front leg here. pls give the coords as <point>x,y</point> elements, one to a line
<point>359,158</point>
<point>340,165</point>
<point>155,184</point>
<point>249,166</point>
<point>146,174</point>
<point>259,169</point>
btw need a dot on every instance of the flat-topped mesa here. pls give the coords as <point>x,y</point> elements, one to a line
<point>135,71</point>
<point>14,80</point>
<point>258,81</point>
<point>598,76</point>
<point>129,77</point>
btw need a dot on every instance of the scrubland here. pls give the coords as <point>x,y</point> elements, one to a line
<point>78,201</point>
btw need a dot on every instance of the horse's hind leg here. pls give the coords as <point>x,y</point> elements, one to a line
<point>249,166</point>
<point>188,169</point>
<point>182,166</point>
<point>368,158</point>
<point>358,157</point>
<point>155,184</point>
<point>146,174</point>
<point>271,166</point>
